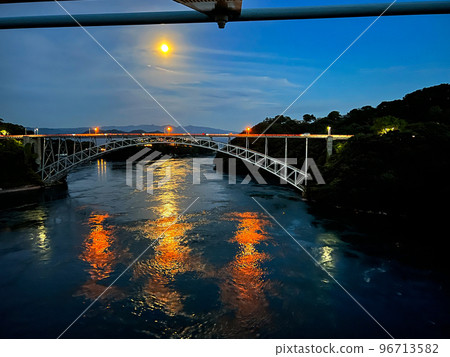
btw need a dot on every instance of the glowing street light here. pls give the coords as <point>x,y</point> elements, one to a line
<point>96,129</point>
<point>248,130</point>
<point>329,130</point>
<point>168,129</point>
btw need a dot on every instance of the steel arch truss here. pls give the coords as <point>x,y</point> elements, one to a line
<point>60,155</point>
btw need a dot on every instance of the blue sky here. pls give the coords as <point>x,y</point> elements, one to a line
<point>226,79</point>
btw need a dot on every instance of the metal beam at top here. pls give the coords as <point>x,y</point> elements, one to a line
<point>20,1</point>
<point>177,17</point>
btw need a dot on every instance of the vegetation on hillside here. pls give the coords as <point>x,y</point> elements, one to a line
<point>10,128</point>
<point>397,162</point>
<point>17,165</point>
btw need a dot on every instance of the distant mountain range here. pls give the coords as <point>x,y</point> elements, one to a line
<point>133,129</point>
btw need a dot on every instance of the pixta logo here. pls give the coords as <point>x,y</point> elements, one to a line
<point>141,169</point>
<point>144,173</point>
<point>254,171</point>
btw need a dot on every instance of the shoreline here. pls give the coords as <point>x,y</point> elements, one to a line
<point>21,189</point>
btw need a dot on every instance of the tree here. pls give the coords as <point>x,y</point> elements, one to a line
<point>334,115</point>
<point>435,113</point>
<point>388,123</point>
<point>17,164</point>
<point>12,129</point>
<point>308,118</point>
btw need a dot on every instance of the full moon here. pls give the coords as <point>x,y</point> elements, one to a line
<point>164,48</point>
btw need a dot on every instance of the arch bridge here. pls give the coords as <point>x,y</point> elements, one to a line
<point>58,154</point>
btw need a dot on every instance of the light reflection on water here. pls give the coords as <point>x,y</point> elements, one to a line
<point>98,253</point>
<point>102,170</point>
<point>168,236</point>
<point>244,286</point>
<point>172,256</point>
<point>244,279</point>
<point>220,270</point>
<point>242,282</point>
<point>40,234</point>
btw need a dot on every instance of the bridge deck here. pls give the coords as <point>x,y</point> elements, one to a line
<point>230,135</point>
<point>55,159</point>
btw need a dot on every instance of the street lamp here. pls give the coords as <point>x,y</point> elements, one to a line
<point>247,129</point>
<point>96,130</point>
<point>169,129</point>
<point>329,130</point>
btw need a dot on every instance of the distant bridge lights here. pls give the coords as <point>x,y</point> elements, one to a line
<point>95,130</point>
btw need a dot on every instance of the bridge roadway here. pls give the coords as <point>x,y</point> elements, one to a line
<point>230,135</point>
<point>55,159</point>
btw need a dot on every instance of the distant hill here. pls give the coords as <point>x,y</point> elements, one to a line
<point>426,105</point>
<point>145,128</point>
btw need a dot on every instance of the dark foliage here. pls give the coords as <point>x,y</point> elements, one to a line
<point>17,165</point>
<point>403,172</point>
<point>11,129</point>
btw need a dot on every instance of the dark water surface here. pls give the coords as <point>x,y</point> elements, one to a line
<point>224,269</point>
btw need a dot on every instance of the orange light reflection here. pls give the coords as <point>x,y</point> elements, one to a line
<point>172,257</point>
<point>97,252</point>
<point>101,258</point>
<point>246,294</point>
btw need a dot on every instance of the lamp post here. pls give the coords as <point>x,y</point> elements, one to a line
<point>247,129</point>
<point>169,129</point>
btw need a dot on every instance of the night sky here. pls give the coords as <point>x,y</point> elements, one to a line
<point>225,79</point>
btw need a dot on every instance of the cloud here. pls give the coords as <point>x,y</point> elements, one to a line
<point>232,54</point>
<point>226,78</point>
<point>65,74</point>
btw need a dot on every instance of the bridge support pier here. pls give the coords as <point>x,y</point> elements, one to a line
<point>329,146</point>
<point>37,145</point>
